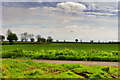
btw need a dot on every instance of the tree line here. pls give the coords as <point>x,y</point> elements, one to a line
<point>24,37</point>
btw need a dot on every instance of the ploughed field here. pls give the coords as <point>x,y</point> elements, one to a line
<point>63,51</point>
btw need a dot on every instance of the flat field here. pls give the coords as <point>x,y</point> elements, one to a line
<point>63,51</point>
<point>58,46</point>
<point>59,51</point>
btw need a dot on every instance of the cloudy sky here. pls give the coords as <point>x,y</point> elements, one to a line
<point>62,20</point>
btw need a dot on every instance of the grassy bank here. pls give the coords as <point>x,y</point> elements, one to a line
<point>30,69</point>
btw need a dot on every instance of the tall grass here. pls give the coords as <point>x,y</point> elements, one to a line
<point>65,54</point>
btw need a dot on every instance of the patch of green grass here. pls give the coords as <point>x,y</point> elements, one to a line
<point>30,69</point>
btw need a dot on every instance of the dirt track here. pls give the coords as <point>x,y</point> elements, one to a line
<point>75,62</point>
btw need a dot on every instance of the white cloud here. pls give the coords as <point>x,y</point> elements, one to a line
<point>73,26</point>
<point>66,21</point>
<point>72,6</point>
<point>115,10</point>
<point>32,8</point>
<point>100,14</point>
<point>91,6</point>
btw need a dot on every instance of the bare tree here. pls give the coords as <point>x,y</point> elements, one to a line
<point>38,37</point>
<point>25,36</point>
<point>9,32</point>
<point>31,36</point>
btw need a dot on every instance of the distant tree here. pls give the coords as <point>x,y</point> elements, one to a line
<point>31,36</point>
<point>64,40</point>
<point>32,39</point>
<point>22,39</point>
<point>81,40</point>
<point>110,41</point>
<point>38,37</point>
<point>98,41</point>
<point>43,40</point>
<point>91,41</point>
<point>76,40</point>
<point>49,39</point>
<point>57,40</point>
<point>12,37</point>
<point>9,32</point>
<point>2,37</point>
<point>25,36</point>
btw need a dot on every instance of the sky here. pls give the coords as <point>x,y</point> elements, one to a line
<point>62,20</point>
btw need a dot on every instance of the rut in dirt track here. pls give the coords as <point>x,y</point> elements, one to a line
<point>115,64</point>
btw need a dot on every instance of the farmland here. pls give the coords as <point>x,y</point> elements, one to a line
<point>58,51</point>
<point>63,51</point>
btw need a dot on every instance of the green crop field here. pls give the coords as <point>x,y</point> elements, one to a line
<point>59,46</point>
<point>30,69</point>
<point>63,51</point>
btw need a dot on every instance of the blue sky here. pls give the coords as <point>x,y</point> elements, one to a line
<point>62,20</point>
